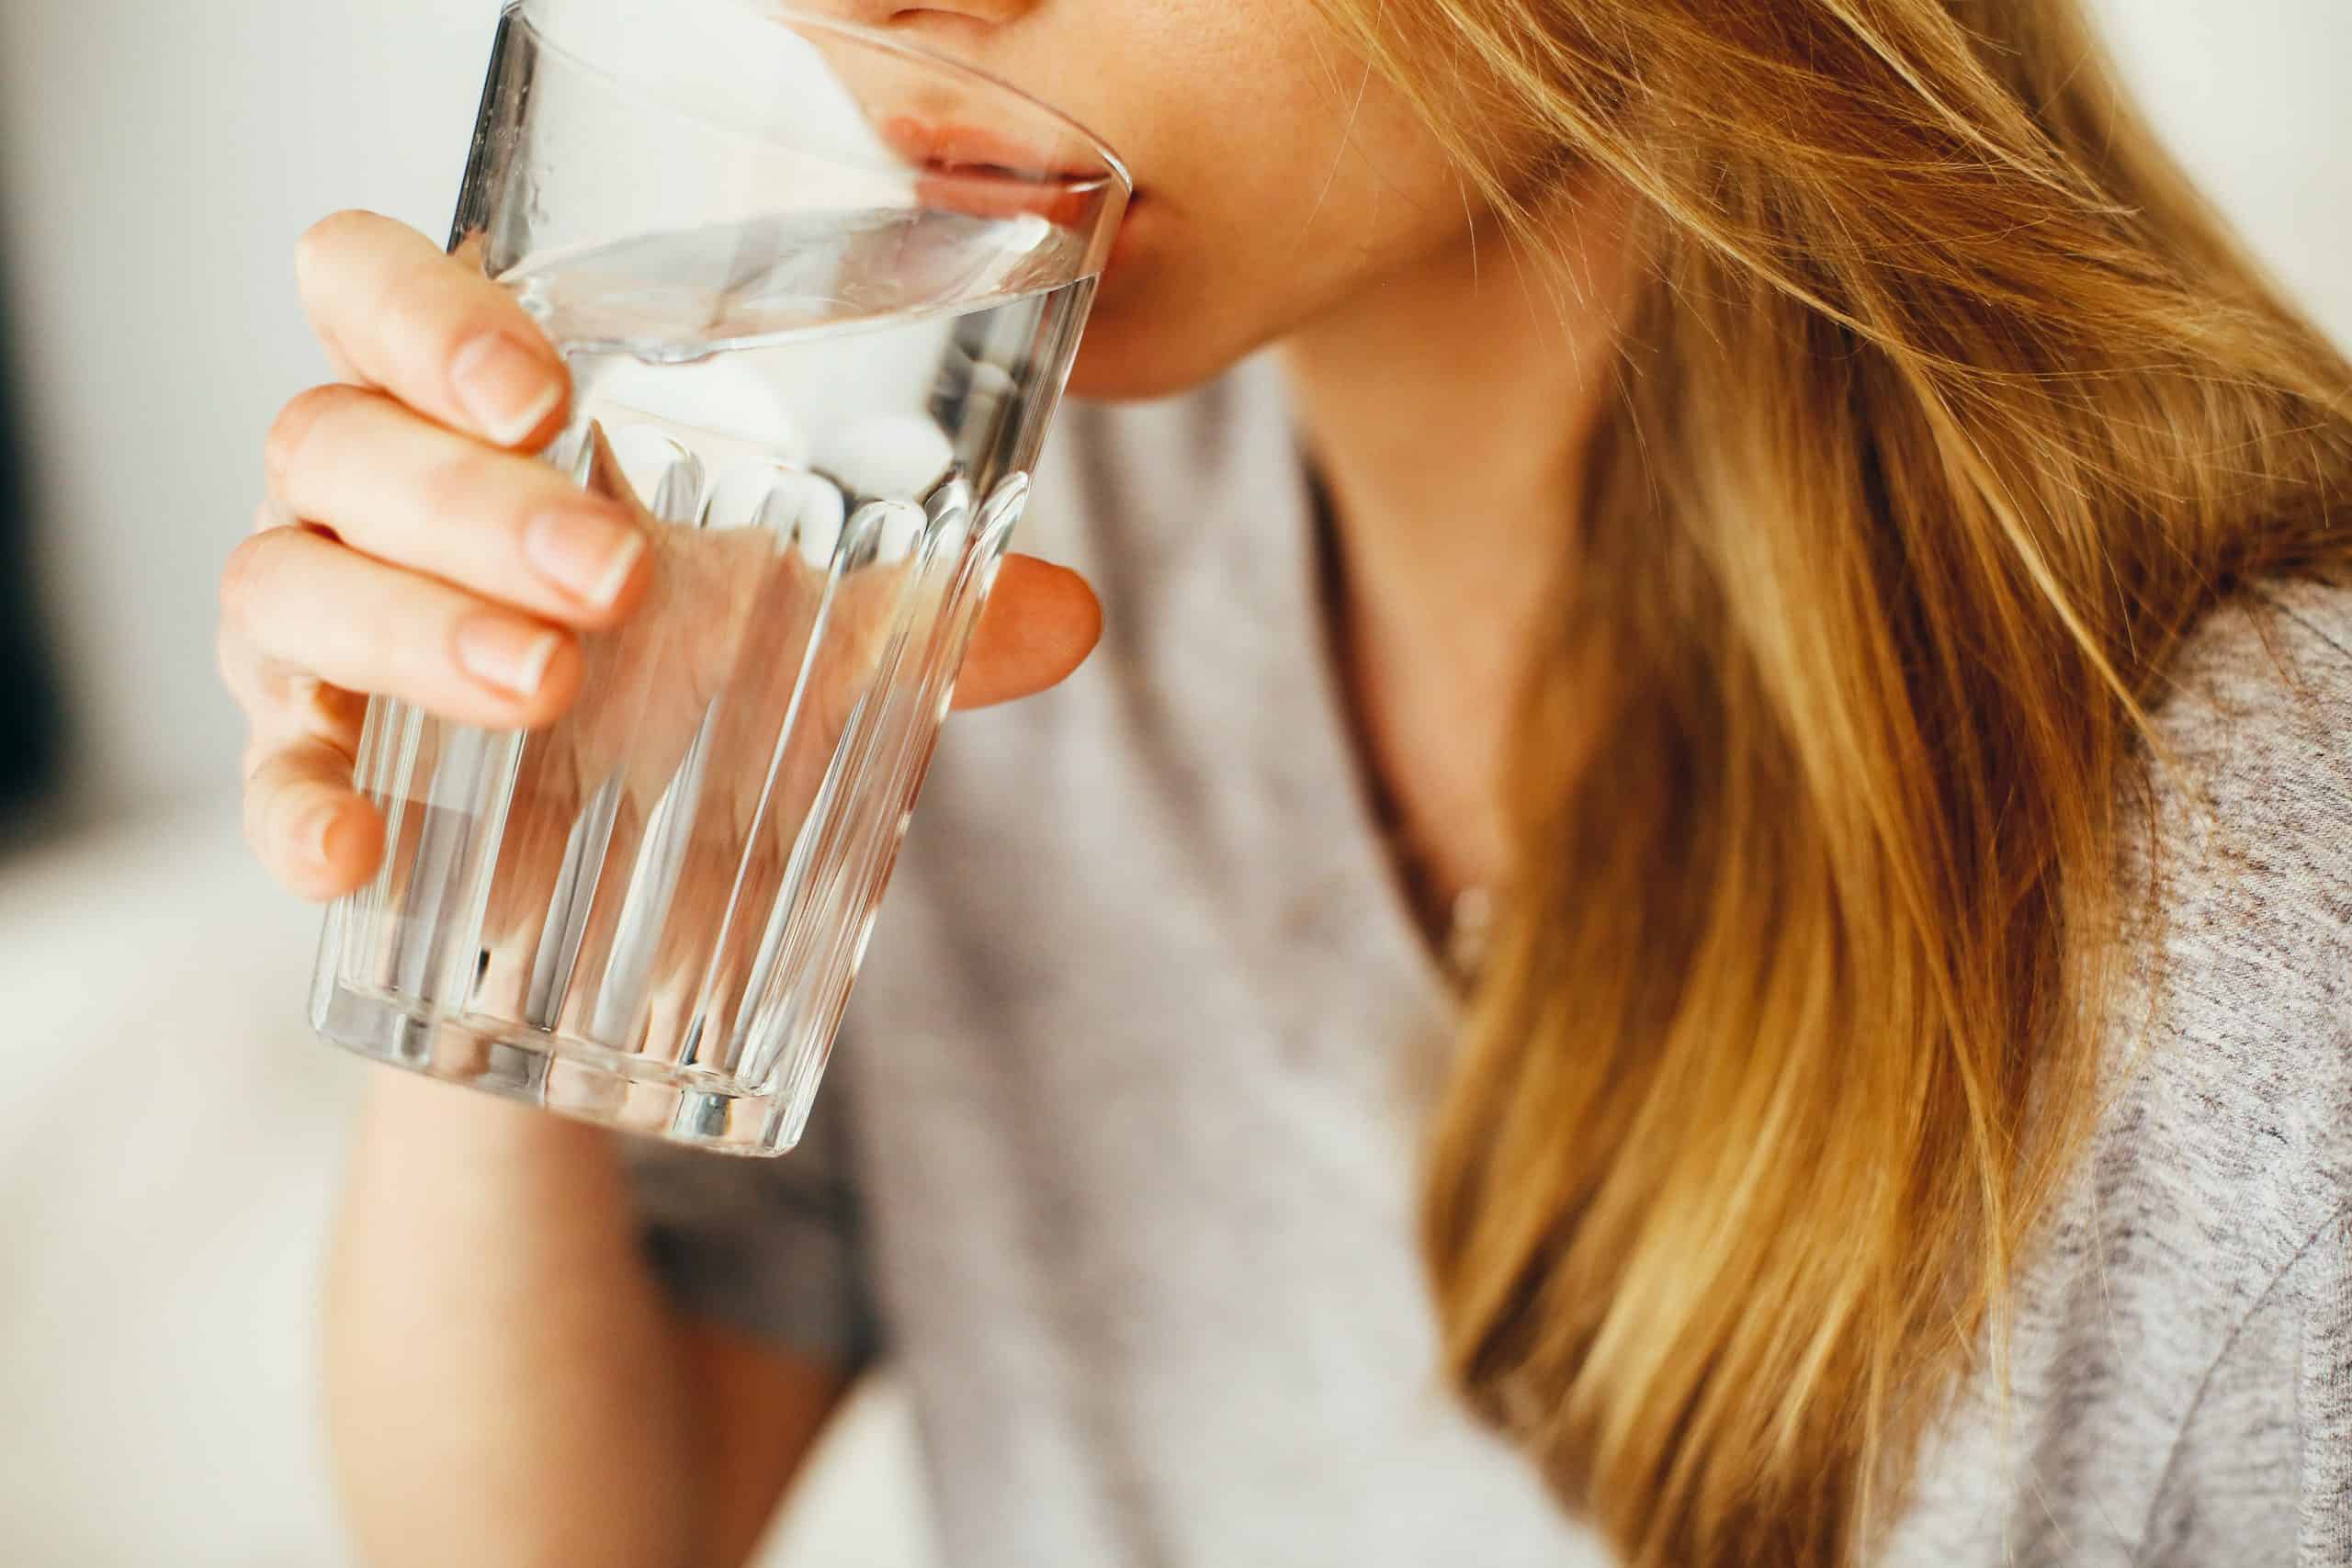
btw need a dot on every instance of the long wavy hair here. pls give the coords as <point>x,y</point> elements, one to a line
<point>1947,409</point>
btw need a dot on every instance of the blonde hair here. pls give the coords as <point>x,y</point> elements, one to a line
<point>1947,411</point>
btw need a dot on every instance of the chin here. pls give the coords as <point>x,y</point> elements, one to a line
<point>1127,365</point>
<point>1141,343</point>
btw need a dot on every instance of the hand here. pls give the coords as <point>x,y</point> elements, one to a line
<point>431,560</point>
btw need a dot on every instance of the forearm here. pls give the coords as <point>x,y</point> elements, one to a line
<point>505,1385</point>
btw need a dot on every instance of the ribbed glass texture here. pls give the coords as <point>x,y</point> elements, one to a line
<point>819,295</point>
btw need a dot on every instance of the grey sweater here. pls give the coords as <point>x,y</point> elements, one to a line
<point>2182,1387</point>
<point>1117,1158</point>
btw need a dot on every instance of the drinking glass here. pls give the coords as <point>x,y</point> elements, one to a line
<point>819,292</point>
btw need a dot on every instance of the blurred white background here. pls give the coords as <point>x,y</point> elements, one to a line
<point>168,1136</point>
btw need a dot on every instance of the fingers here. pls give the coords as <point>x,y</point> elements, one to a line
<point>430,329</point>
<point>297,599</point>
<point>1041,622</point>
<point>312,832</point>
<point>281,704</point>
<point>405,491</point>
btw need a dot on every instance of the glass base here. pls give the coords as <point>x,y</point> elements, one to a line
<point>567,1076</point>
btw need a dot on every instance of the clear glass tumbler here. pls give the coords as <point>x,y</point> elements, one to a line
<point>819,292</point>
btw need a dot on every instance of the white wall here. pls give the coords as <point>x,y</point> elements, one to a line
<point>2255,97</point>
<point>156,163</point>
<point>157,159</point>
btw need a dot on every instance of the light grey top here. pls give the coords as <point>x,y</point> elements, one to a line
<point>1117,1156</point>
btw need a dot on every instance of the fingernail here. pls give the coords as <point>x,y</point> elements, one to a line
<point>502,654</point>
<point>588,555</point>
<point>504,388</point>
<point>318,830</point>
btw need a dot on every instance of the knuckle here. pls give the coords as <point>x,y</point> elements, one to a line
<point>419,304</point>
<point>324,242</point>
<point>243,580</point>
<point>229,659</point>
<point>255,762</point>
<point>381,650</point>
<point>463,485</point>
<point>260,793</point>
<point>292,432</point>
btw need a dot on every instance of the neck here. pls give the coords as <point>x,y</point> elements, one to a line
<point>1448,408</point>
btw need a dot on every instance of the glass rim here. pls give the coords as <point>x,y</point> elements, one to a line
<point>1115,171</point>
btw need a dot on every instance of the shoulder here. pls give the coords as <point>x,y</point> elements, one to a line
<point>2254,720</point>
<point>2153,1407</point>
<point>2235,1031</point>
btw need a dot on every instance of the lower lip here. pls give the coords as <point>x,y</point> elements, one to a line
<point>1123,244</point>
<point>981,193</point>
<point>946,157</point>
<point>978,195</point>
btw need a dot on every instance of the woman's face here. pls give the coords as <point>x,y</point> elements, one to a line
<point>1275,176</point>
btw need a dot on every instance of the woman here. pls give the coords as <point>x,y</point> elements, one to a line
<point>1793,505</point>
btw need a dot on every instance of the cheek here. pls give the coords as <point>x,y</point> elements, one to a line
<point>1273,194</point>
<point>1203,284</point>
<point>1191,291</point>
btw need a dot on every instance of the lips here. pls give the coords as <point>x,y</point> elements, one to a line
<point>977,147</point>
<point>987,173</point>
